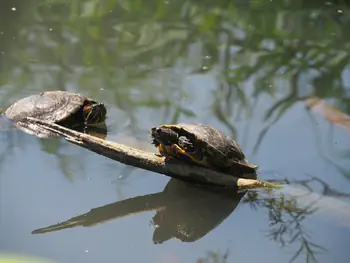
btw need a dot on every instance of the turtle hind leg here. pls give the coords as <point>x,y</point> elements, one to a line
<point>191,151</point>
<point>194,157</point>
<point>175,152</point>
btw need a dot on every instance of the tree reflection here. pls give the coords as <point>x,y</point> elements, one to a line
<point>137,54</point>
<point>214,257</point>
<point>70,163</point>
<point>286,223</point>
<point>287,212</point>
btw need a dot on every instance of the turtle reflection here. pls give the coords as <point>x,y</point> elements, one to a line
<point>192,212</point>
<point>183,211</point>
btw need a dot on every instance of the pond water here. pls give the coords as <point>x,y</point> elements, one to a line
<point>272,74</point>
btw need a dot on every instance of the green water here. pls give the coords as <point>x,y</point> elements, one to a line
<point>248,68</point>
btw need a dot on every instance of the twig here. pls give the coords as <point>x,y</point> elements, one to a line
<point>151,161</point>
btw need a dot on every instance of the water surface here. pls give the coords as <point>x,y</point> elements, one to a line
<point>273,75</point>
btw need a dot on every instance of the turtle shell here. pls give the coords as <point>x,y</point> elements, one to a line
<point>217,150</point>
<point>53,106</point>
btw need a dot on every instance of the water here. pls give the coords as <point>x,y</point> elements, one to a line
<point>248,68</point>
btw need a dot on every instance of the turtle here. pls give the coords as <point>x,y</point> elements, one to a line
<point>61,107</point>
<point>203,145</point>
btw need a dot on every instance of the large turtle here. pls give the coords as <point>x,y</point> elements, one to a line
<point>203,145</point>
<point>61,107</point>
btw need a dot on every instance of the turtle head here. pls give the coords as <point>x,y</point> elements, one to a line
<point>164,135</point>
<point>94,113</point>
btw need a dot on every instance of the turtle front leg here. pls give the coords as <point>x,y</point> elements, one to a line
<point>166,151</point>
<point>171,151</point>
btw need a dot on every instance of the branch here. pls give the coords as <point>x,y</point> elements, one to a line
<point>150,161</point>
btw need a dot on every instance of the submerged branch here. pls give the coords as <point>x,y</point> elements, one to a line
<point>150,161</point>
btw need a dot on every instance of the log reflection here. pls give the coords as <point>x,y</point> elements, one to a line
<point>183,211</point>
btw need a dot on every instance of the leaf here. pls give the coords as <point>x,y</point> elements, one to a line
<point>88,8</point>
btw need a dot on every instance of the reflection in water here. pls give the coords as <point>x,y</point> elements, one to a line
<point>214,257</point>
<point>183,211</point>
<point>149,62</point>
<point>192,212</point>
<point>8,141</point>
<point>11,137</point>
<point>289,209</point>
<point>286,223</point>
<point>241,52</point>
<point>188,212</point>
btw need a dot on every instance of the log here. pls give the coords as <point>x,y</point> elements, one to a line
<point>151,161</point>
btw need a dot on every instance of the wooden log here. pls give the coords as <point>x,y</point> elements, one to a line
<point>151,161</point>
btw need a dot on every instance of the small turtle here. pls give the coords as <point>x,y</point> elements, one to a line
<point>203,145</point>
<point>61,107</point>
